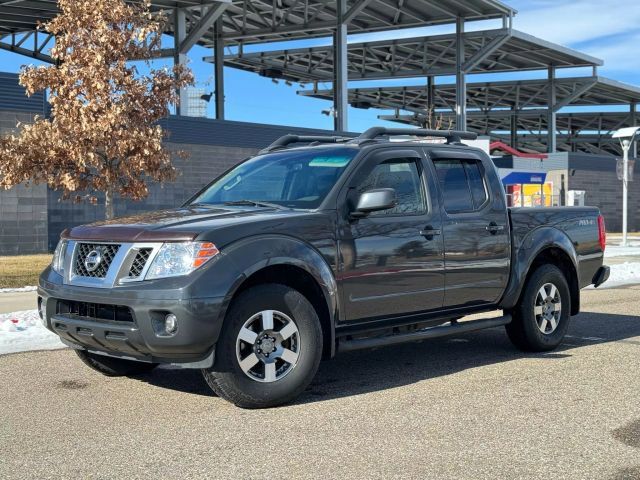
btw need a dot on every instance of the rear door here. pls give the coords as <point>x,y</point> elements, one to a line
<point>477,247</point>
<point>392,260</point>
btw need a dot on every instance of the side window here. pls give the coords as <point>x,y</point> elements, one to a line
<point>403,176</point>
<point>476,182</point>
<point>462,184</point>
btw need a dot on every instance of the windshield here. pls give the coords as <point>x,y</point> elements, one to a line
<point>294,179</point>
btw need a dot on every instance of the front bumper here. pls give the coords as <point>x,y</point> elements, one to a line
<point>140,335</point>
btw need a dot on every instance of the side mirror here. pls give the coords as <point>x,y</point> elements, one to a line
<point>374,201</point>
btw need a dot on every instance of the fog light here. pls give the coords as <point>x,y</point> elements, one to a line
<point>170,324</point>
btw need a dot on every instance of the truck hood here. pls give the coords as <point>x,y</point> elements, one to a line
<point>178,224</point>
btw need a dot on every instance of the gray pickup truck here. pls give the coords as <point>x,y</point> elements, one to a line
<point>320,245</point>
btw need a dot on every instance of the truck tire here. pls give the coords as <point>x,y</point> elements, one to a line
<point>541,317</point>
<point>114,367</point>
<point>269,348</point>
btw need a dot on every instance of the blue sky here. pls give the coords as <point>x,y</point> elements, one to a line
<point>606,29</point>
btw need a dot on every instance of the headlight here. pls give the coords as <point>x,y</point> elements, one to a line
<point>175,259</point>
<point>57,263</point>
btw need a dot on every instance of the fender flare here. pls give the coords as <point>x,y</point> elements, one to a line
<point>523,256</point>
<point>252,254</point>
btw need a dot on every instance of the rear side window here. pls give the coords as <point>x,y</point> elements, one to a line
<point>462,184</point>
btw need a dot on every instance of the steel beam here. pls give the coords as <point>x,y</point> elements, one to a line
<point>341,79</point>
<point>206,22</point>
<point>12,43</point>
<point>179,58</point>
<point>551,120</point>
<point>461,84</point>
<point>575,94</point>
<point>219,70</point>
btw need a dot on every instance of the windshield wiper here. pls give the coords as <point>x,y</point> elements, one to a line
<point>255,204</point>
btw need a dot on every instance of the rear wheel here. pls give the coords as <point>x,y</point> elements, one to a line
<point>269,348</point>
<point>541,318</point>
<point>114,367</point>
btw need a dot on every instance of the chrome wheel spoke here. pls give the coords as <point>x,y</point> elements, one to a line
<point>552,291</point>
<point>557,307</point>
<point>267,320</point>
<point>289,356</point>
<point>554,323</point>
<point>247,335</point>
<point>288,330</point>
<point>543,325</point>
<point>543,292</point>
<point>249,362</point>
<point>537,310</point>
<point>269,372</point>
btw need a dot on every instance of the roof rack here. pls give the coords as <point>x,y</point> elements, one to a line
<point>452,136</point>
<point>286,140</point>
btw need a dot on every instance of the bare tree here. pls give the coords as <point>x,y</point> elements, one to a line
<point>103,133</point>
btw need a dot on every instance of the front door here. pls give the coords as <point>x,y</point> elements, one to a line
<point>392,260</point>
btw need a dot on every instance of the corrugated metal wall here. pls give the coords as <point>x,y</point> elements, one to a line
<point>13,98</point>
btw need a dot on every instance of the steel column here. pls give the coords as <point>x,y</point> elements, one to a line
<point>179,34</point>
<point>430,107</point>
<point>514,128</point>
<point>633,108</point>
<point>341,74</point>
<point>552,129</point>
<point>461,83</point>
<point>218,49</point>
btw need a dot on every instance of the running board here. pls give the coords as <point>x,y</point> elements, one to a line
<point>433,332</point>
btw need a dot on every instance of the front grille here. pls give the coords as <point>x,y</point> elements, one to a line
<point>94,311</point>
<point>106,254</point>
<point>139,262</point>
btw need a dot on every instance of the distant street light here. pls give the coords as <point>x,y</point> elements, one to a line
<point>626,136</point>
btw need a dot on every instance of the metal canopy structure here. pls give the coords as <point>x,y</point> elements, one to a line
<point>251,21</point>
<point>258,21</point>
<point>492,98</point>
<point>219,23</point>
<point>513,107</point>
<point>577,131</point>
<point>489,51</point>
<point>19,20</point>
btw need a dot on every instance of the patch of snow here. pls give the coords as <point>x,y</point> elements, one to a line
<point>627,273</point>
<point>23,332</point>
<point>633,250</point>
<point>19,289</point>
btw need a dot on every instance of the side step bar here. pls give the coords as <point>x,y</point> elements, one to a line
<point>433,332</point>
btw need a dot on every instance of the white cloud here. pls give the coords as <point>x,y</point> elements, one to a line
<point>572,22</point>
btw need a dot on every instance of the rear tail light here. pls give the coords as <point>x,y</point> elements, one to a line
<point>602,233</point>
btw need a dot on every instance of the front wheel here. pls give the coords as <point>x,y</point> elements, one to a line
<point>269,348</point>
<point>541,317</point>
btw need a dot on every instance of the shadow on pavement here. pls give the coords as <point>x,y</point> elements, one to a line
<point>365,371</point>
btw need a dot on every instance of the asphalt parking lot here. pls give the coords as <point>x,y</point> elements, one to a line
<point>465,407</point>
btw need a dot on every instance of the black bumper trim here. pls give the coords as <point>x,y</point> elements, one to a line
<point>601,276</point>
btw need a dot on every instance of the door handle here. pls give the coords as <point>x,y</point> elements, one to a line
<point>494,228</point>
<point>429,232</point>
